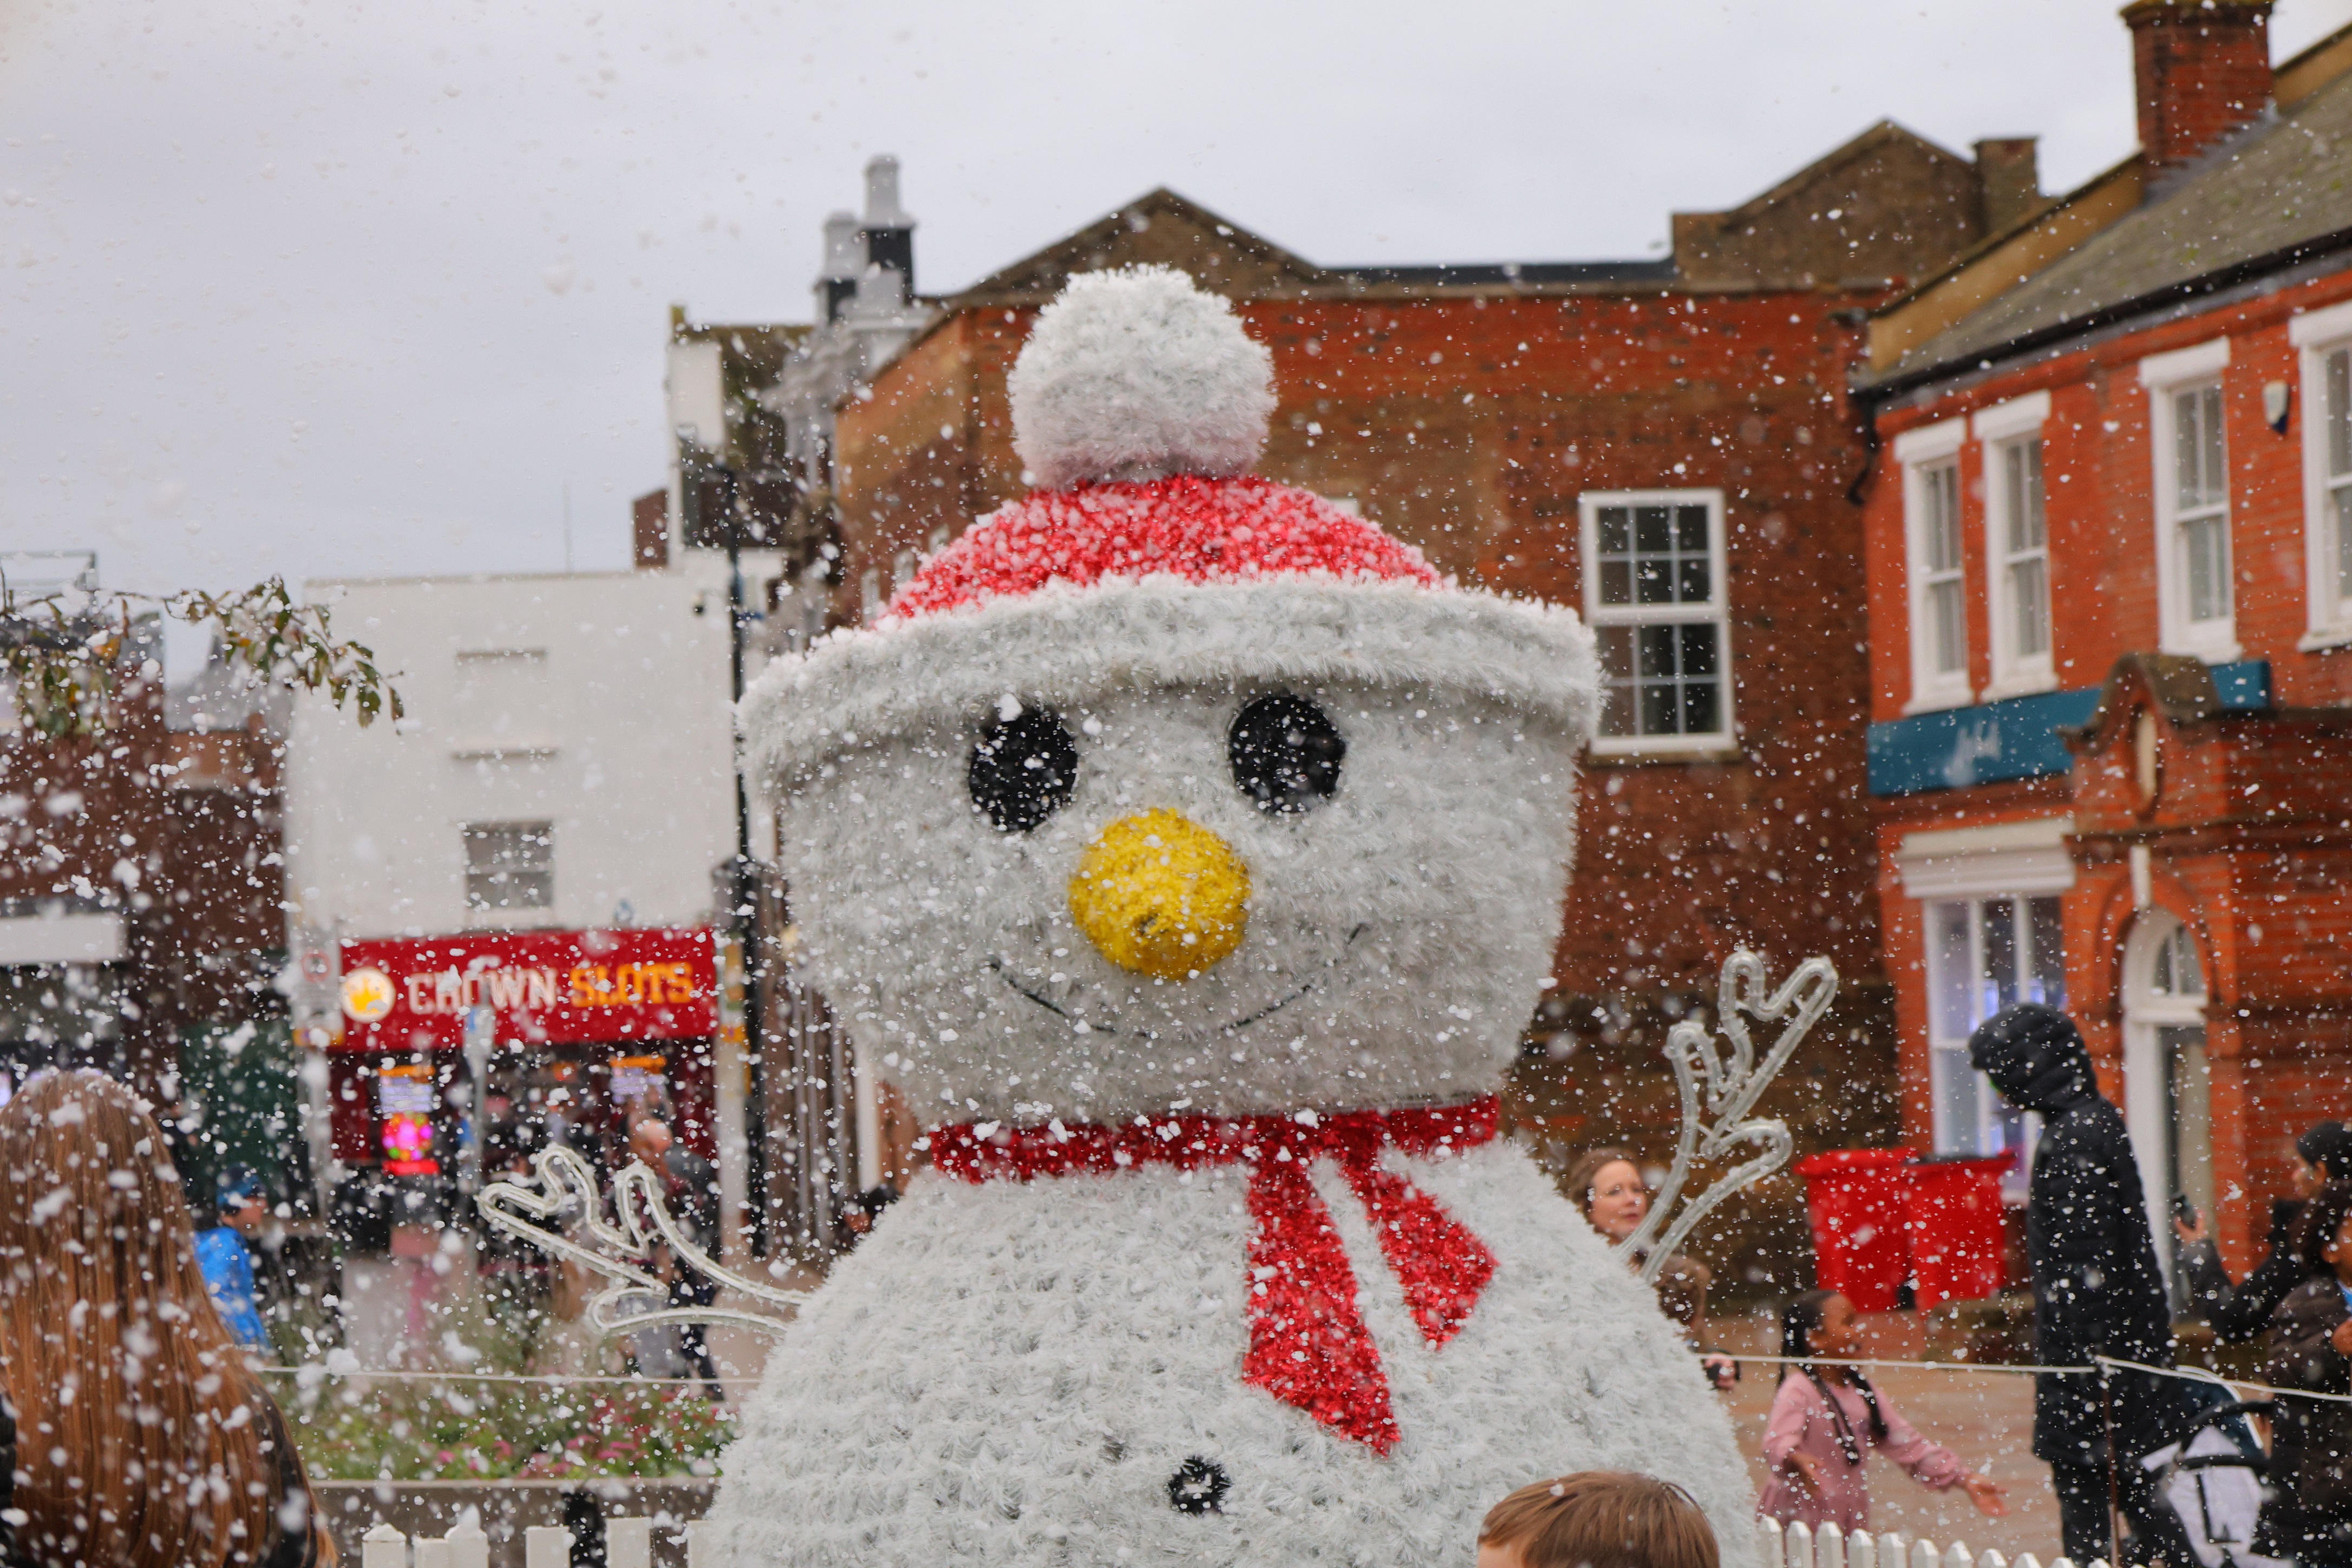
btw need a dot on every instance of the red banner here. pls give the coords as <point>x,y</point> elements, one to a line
<point>569,987</point>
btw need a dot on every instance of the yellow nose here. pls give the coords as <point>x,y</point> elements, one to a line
<point>1161,894</point>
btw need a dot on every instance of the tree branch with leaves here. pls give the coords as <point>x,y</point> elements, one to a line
<point>66,652</point>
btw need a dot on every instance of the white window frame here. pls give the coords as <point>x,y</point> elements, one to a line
<point>1716,613</point>
<point>539,831</point>
<point>2002,429</point>
<point>1919,452</point>
<point>2317,335</point>
<point>2148,1099</point>
<point>2166,375</point>
<point>1974,866</point>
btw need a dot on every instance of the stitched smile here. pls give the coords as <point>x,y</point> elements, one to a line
<point>1004,973</point>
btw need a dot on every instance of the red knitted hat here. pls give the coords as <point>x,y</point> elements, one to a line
<point>1150,558</point>
<point>1198,530</point>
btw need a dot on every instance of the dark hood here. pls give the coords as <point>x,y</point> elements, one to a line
<point>2328,1146</point>
<point>2035,1057</point>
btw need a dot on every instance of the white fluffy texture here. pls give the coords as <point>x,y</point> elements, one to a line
<point>1010,1375</point>
<point>1063,645</point>
<point>1138,374</point>
<point>1397,933</point>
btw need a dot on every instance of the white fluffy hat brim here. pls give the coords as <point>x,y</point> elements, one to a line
<point>1061,644</point>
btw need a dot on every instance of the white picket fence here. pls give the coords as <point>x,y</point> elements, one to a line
<point>1801,1546</point>
<point>628,1543</point>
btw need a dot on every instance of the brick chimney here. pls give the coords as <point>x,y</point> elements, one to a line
<point>2008,178</point>
<point>2203,70</point>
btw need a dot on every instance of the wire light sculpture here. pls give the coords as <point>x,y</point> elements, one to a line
<point>564,1198</point>
<point>1733,1081</point>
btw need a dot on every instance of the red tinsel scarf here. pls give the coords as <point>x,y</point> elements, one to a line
<point>1308,1345</point>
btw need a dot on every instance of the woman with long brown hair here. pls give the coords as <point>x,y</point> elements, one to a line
<point>143,1439</point>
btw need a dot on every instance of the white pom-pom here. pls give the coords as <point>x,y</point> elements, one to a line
<point>1138,374</point>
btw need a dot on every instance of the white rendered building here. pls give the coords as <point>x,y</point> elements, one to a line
<point>565,760</point>
<point>565,765</point>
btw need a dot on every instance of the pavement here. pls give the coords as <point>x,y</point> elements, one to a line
<point>1984,1415</point>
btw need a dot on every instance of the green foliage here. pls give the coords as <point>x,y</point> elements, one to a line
<point>65,653</point>
<point>365,1429</point>
<point>516,1421</point>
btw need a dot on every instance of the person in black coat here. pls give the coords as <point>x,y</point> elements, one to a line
<point>2096,1291</point>
<point>2309,1514</point>
<point>2239,1312</point>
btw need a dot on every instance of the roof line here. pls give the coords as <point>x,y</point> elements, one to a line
<point>2203,284</point>
<point>1469,273</point>
<point>2300,75</point>
<point>2057,209</point>
<point>2293,79</point>
<point>1845,151</point>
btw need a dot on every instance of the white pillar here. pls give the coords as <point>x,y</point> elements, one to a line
<point>468,1547</point>
<point>546,1546</point>
<point>628,1543</point>
<point>383,1547</point>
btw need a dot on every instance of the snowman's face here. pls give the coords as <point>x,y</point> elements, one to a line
<point>1234,900</point>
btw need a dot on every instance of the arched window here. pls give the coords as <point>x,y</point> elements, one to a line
<point>2168,1085</point>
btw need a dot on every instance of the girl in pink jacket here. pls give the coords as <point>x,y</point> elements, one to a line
<point>1826,1420</point>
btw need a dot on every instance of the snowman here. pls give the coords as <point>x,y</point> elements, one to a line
<point>1192,854</point>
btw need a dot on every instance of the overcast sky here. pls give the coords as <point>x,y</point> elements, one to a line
<point>325,289</point>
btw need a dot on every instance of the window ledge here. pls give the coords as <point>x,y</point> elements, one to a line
<point>1937,701</point>
<point>2026,685</point>
<point>1622,752</point>
<point>510,920</point>
<point>2230,652</point>
<point>2321,638</point>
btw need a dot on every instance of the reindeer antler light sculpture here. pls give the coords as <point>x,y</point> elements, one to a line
<point>564,1198</point>
<point>1733,1081</point>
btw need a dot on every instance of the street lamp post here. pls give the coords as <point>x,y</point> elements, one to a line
<point>744,884</point>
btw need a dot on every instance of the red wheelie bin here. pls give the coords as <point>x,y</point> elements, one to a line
<point>1958,1241</point>
<point>1856,1199</point>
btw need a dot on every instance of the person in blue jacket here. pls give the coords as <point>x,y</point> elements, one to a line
<point>227,1261</point>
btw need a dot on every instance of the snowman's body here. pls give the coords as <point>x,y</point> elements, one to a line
<point>1191,809</point>
<point>1012,1373</point>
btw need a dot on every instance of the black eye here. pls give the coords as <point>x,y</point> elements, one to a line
<point>1286,753</point>
<point>1023,769</point>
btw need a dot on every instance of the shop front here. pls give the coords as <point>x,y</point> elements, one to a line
<point>2169,868</point>
<point>490,1047</point>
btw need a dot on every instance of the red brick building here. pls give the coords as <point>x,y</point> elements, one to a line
<point>2110,591</point>
<point>1566,430</point>
<point>142,911</point>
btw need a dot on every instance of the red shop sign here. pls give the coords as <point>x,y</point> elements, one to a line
<point>568,987</point>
